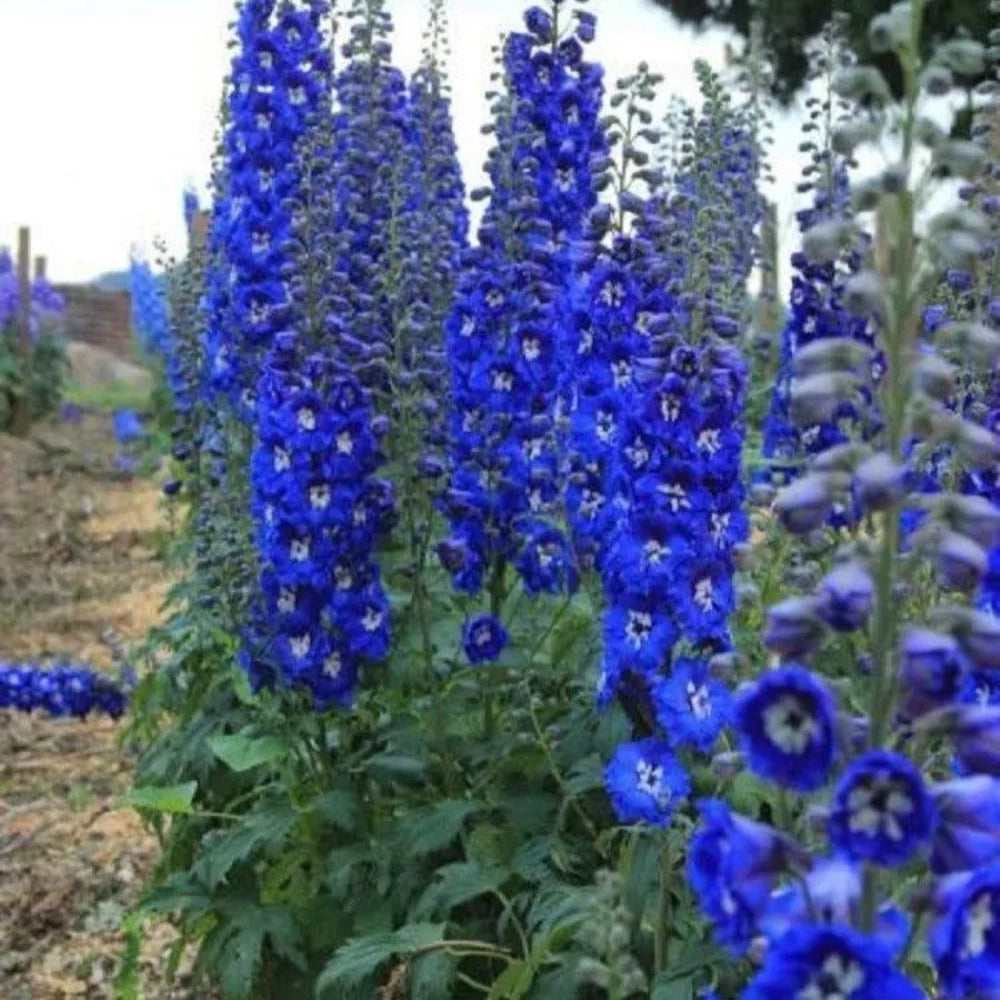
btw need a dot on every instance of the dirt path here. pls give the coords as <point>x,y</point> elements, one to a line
<point>78,564</point>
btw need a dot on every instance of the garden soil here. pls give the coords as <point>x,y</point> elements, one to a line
<point>79,579</point>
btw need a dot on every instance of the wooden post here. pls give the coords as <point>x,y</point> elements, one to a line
<point>21,417</point>
<point>41,268</point>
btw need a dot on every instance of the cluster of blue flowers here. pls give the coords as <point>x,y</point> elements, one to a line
<point>899,835</point>
<point>59,691</point>
<point>509,334</point>
<point>818,313</point>
<point>665,393</point>
<point>46,302</point>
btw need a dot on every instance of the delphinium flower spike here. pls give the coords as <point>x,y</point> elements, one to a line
<point>879,636</point>
<point>668,571</point>
<point>321,611</point>
<point>61,690</point>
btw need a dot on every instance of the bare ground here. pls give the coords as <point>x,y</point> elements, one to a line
<point>78,564</point>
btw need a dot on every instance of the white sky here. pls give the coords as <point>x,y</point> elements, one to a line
<point>109,107</point>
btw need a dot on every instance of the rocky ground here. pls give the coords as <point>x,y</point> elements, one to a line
<point>79,571</point>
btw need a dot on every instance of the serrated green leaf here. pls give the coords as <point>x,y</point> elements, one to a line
<point>240,752</point>
<point>267,825</point>
<point>433,828</point>
<point>340,807</point>
<point>586,775</point>
<point>360,958</point>
<point>457,884</point>
<point>432,976</point>
<point>173,799</point>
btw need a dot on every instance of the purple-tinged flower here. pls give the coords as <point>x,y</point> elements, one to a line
<point>794,626</point>
<point>787,727</point>
<point>967,837</point>
<point>830,963</point>
<point>879,483</point>
<point>933,672</point>
<point>965,940</point>
<point>734,864</point>
<point>804,505</point>
<point>975,734</point>
<point>882,812</point>
<point>646,783</point>
<point>961,563</point>
<point>846,597</point>
<point>483,638</point>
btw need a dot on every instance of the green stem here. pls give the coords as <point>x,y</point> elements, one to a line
<point>664,913</point>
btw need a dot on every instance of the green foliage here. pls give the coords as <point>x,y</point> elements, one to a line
<point>41,377</point>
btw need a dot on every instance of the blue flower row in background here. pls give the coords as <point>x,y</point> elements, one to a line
<point>61,690</point>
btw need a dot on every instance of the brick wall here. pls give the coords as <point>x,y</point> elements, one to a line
<point>97,317</point>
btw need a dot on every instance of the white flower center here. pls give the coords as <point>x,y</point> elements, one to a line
<point>343,577</point>
<point>372,619</point>
<point>286,601</point>
<point>613,293</point>
<point>790,725</point>
<point>531,348</point>
<point>638,628</point>
<point>282,460</point>
<point>306,419</point>
<point>297,96</point>
<point>319,497</point>
<point>720,525</point>
<point>621,372</point>
<point>637,453</point>
<point>494,298</point>
<point>649,779</point>
<point>676,496</point>
<point>605,426</point>
<point>655,551</point>
<point>332,666</point>
<point>979,922</point>
<point>704,593</point>
<point>877,807</point>
<point>838,979</point>
<point>300,646</point>
<point>700,700</point>
<point>670,408</point>
<point>345,443</point>
<point>709,441</point>
<point>503,381</point>
<point>468,326</point>
<point>299,549</point>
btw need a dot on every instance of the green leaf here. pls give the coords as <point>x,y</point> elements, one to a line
<point>341,808</point>
<point>586,775</point>
<point>674,989</point>
<point>456,884</point>
<point>514,982</point>
<point>265,826</point>
<point>360,958</point>
<point>243,753</point>
<point>397,767</point>
<point>433,828</point>
<point>175,799</point>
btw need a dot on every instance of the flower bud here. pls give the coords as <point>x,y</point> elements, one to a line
<point>961,563</point>
<point>830,354</point>
<point>879,483</point>
<point>864,294</point>
<point>935,376</point>
<point>805,504</point>
<point>815,399</point>
<point>846,597</point>
<point>974,516</point>
<point>793,627</point>
<point>977,445</point>
<point>932,672</point>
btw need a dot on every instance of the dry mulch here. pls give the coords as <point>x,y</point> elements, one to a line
<point>79,572</point>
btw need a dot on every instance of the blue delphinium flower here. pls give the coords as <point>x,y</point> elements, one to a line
<point>127,427</point>
<point>967,836</point>
<point>483,638</point>
<point>646,783</point>
<point>734,865</point>
<point>788,727</point>
<point>830,961</point>
<point>882,812</point>
<point>965,939</point>
<point>692,707</point>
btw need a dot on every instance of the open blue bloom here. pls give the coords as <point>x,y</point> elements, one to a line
<point>646,783</point>
<point>787,726</point>
<point>692,707</point>
<point>127,426</point>
<point>882,812</point>
<point>733,867</point>
<point>965,939</point>
<point>830,963</point>
<point>483,638</point>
